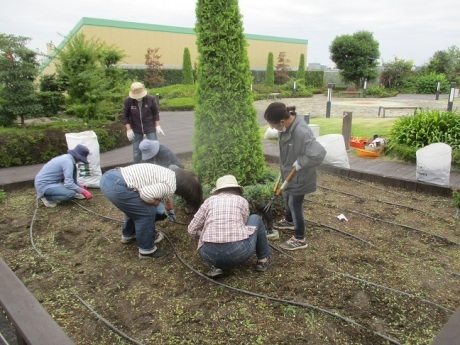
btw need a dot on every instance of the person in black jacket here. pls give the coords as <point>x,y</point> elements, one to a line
<point>141,117</point>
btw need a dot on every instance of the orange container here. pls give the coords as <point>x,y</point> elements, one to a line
<point>358,142</point>
<point>367,153</point>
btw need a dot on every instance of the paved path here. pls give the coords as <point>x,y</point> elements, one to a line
<point>178,127</point>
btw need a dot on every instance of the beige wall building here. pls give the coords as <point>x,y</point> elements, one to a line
<point>135,38</point>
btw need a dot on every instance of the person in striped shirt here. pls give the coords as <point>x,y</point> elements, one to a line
<point>226,233</point>
<point>138,189</point>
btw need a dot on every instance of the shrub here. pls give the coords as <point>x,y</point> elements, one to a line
<point>410,133</point>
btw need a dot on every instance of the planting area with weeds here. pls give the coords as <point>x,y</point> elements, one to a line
<point>388,274</point>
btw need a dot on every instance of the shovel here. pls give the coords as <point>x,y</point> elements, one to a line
<point>279,190</point>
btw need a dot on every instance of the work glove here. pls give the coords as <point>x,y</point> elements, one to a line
<point>87,194</point>
<point>172,216</point>
<point>130,134</point>
<point>296,166</point>
<point>159,130</point>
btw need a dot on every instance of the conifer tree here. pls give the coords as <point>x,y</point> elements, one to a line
<point>226,136</point>
<point>301,70</point>
<point>270,73</point>
<point>187,72</point>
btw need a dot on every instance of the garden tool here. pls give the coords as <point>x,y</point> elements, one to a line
<point>277,191</point>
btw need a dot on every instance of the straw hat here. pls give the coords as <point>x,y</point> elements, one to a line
<point>227,181</point>
<point>138,90</point>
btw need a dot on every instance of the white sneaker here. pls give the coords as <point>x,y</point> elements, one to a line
<point>159,237</point>
<point>48,203</point>
<point>79,196</point>
<point>273,235</point>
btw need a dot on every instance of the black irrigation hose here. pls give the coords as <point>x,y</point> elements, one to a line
<point>391,289</point>
<point>77,296</point>
<point>275,299</point>
<point>405,227</point>
<point>341,231</point>
<point>365,197</point>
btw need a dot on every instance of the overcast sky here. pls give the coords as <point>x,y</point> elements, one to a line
<point>407,29</point>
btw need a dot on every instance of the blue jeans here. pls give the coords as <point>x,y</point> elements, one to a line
<point>60,193</point>
<point>293,212</point>
<point>139,216</point>
<point>234,253</point>
<point>138,137</point>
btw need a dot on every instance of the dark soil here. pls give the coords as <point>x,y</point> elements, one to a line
<point>394,241</point>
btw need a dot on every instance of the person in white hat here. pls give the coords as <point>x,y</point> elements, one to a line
<point>141,117</point>
<point>227,234</point>
<point>57,179</point>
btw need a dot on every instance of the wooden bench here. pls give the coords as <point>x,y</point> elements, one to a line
<point>340,93</point>
<point>273,96</point>
<point>403,107</point>
<point>32,322</point>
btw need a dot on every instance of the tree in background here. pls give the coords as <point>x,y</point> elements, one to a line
<point>446,62</point>
<point>270,73</point>
<point>94,85</point>
<point>226,137</point>
<point>282,69</point>
<point>301,70</point>
<point>18,70</point>
<point>394,72</point>
<point>356,56</point>
<point>187,72</point>
<point>152,76</point>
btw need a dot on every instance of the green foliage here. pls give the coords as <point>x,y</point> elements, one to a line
<point>52,102</point>
<point>38,144</point>
<point>314,78</point>
<point>411,133</point>
<point>49,82</point>
<point>394,72</point>
<point>446,62</point>
<point>178,104</point>
<point>287,89</point>
<point>456,198</point>
<point>226,136</point>
<point>2,195</point>
<point>300,74</point>
<point>270,72</point>
<point>18,70</point>
<point>95,86</point>
<point>187,71</point>
<point>380,92</point>
<point>427,83</point>
<point>356,56</point>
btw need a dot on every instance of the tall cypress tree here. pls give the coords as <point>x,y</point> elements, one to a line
<point>270,73</point>
<point>187,72</point>
<point>226,137</point>
<point>301,71</point>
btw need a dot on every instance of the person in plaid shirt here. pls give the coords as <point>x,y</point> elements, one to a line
<point>227,234</point>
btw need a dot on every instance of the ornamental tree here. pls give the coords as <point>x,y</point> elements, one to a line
<point>356,56</point>
<point>270,72</point>
<point>187,72</point>
<point>301,70</point>
<point>226,137</point>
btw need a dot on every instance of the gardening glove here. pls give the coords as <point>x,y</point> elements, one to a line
<point>130,134</point>
<point>87,194</point>
<point>172,216</point>
<point>296,166</point>
<point>159,130</point>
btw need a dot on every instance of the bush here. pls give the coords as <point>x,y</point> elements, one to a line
<point>380,92</point>
<point>410,133</point>
<point>38,144</point>
<point>52,102</point>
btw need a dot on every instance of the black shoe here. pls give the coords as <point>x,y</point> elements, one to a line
<point>158,253</point>
<point>263,266</point>
<point>214,272</point>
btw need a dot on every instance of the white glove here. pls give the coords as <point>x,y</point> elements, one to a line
<point>130,134</point>
<point>296,166</point>
<point>159,130</point>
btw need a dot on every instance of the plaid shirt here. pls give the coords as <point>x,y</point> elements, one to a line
<point>221,219</point>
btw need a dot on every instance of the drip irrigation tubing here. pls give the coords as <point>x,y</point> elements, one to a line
<point>405,227</point>
<point>374,199</point>
<point>275,299</point>
<point>392,289</point>
<point>341,231</point>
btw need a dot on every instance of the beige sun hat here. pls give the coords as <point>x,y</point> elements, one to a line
<point>138,90</point>
<point>227,181</point>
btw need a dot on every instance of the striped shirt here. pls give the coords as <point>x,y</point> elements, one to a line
<point>151,181</point>
<point>221,219</point>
